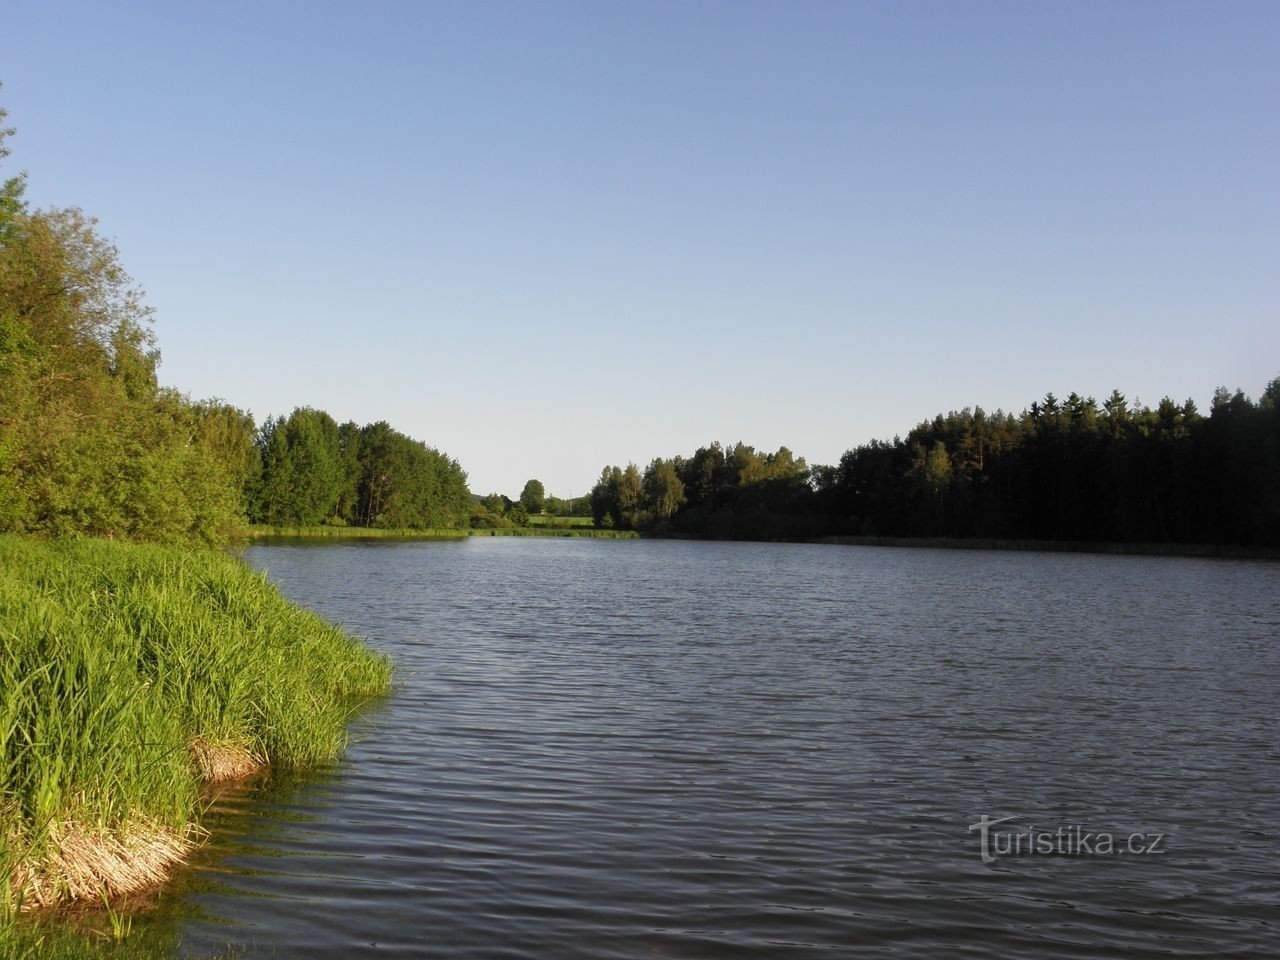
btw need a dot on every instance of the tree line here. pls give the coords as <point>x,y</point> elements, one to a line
<point>312,470</point>
<point>1068,469</point>
<point>719,491</point>
<point>90,443</point>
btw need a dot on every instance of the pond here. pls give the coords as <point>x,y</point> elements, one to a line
<point>632,749</point>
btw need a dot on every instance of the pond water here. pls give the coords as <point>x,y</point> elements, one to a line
<point>631,749</point>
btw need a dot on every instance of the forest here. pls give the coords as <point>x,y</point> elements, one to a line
<point>1070,470</point>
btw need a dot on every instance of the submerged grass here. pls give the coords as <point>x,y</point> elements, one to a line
<point>130,673</point>
<point>104,935</point>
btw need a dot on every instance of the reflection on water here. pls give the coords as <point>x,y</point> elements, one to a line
<point>638,749</point>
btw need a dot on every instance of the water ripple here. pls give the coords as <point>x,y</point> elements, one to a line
<point>607,749</point>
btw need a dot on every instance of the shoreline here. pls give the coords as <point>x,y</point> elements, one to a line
<point>1205,551</point>
<point>1192,550</point>
<point>259,532</point>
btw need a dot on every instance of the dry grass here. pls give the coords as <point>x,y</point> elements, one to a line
<point>219,762</point>
<point>81,862</point>
<point>84,863</point>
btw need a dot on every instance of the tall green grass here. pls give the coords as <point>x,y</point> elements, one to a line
<point>115,658</point>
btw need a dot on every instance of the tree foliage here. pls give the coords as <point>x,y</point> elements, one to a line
<point>315,471</point>
<point>89,442</point>
<point>11,188</point>
<point>534,496</point>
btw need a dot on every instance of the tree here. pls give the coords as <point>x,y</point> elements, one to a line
<point>703,474</point>
<point>663,489</point>
<point>630,496</point>
<point>12,188</point>
<point>89,443</point>
<point>405,483</point>
<point>533,497</point>
<point>272,488</point>
<point>304,469</point>
<point>315,465</point>
<point>1116,413</point>
<point>605,510</point>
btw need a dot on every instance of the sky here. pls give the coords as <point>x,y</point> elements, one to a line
<point>546,237</point>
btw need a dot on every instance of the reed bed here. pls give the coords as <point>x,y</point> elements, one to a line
<point>128,675</point>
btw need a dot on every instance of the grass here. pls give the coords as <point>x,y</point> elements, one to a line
<point>124,669</point>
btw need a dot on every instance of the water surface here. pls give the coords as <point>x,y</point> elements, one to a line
<point>665,749</point>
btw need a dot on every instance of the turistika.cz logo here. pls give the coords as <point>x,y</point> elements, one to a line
<point>1071,840</point>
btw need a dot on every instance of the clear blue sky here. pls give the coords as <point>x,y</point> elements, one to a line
<point>548,236</point>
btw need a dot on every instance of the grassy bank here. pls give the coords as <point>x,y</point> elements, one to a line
<point>129,674</point>
<point>376,533</point>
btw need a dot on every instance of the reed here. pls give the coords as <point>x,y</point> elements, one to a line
<point>130,673</point>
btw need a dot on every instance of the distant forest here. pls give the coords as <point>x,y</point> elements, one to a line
<point>1060,470</point>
